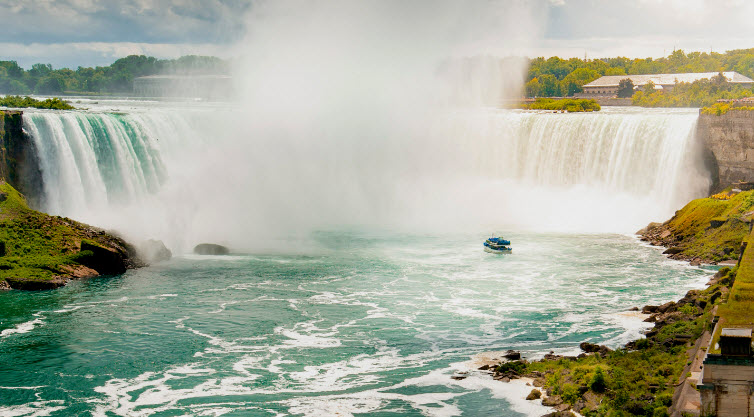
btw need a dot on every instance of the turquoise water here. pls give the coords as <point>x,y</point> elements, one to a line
<point>356,323</point>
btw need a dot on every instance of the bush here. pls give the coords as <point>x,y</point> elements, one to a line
<point>570,393</point>
<point>598,384</point>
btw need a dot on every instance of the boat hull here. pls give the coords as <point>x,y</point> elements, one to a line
<point>499,251</point>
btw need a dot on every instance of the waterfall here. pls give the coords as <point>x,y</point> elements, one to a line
<point>176,175</point>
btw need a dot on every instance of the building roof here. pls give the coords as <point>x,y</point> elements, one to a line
<point>666,79</point>
<point>736,332</point>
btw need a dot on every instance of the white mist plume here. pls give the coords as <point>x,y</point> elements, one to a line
<point>338,102</point>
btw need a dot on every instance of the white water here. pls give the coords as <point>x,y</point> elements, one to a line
<point>173,174</point>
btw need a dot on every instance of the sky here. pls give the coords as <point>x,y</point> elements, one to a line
<point>72,33</point>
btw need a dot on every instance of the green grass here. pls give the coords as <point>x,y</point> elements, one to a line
<point>567,104</point>
<point>692,226</point>
<point>37,246</point>
<point>23,102</point>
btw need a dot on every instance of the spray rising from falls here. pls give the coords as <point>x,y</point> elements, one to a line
<point>156,174</point>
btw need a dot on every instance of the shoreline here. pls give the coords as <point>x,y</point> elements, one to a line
<point>647,314</point>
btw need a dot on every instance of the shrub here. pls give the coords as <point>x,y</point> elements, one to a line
<point>598,384</point>
<point>570,393</point>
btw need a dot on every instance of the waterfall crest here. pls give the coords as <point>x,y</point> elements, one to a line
<point>141,171</point>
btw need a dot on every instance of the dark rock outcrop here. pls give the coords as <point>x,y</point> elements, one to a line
<point>210,249</point>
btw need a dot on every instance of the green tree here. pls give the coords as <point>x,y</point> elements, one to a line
<point>616,71</point>
<point>49,85</point>
<point>549,86</point>
<point>625,88</point>
<point>649,87</point>
<point>573,82</point>
<point>533,88</point>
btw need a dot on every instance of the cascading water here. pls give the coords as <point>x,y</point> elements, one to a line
<point>625,167</point>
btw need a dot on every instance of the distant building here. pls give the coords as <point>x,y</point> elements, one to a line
<point>607,86</point>
<point>726,383</point>
<point>188,86</point>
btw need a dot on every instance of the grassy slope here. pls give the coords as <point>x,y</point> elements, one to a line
<point>710,229</point>
<point>39,247</point>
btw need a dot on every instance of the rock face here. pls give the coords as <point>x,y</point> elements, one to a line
<point>729,139</point>
<point>19,163</point>
<point>210,249</point>
<point>152,251</point>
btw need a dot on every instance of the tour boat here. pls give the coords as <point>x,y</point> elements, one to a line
<point>497,245</point>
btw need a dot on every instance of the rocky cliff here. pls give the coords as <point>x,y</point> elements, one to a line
<point>729,138</point>
<point>19,165</point>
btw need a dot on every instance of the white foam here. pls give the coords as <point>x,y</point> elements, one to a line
<point>23,327</point>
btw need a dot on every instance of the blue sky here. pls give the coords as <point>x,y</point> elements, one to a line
<point>69,33</point>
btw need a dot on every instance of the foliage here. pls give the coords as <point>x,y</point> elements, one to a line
<point>22,102</point>
<point>568,104</point>
<point>740,60</point>
<point>116,78</point>
<point>720,108</point>
<point>625,88</point>
<point>598,384</point>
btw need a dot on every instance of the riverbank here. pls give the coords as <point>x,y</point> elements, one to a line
<point>656,375</point>
<point>39,251</point>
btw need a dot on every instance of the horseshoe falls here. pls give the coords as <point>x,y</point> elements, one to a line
<point>180,177</point>
<point>357,284</point>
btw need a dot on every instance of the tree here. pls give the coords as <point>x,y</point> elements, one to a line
<point>49,85</point>
<point>649,87</point>
<point>573,82</point>
<point>549,86</point>
<point>533,88</point>
<point>625,88</point>
<point>616,71</point>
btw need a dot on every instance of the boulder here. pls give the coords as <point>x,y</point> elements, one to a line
<point>672,251</point>
<point>512,355</point>
<point>4,286</point>
<point>535,394</point>
<point>152,251</point>
<point>552,401</point>
<point>210,249</point>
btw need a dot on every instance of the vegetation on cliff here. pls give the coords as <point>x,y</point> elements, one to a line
<point>38,251</point>
<point>25,102</point>
<point>706,230</point>
<point>637,380</point>
<point>568,104</point>
<point>719,109</point>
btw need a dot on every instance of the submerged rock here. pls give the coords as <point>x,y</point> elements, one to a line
<point>210,249</point>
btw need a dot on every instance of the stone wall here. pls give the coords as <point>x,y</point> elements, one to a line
<point>730,140</point>
<point>19,165</point>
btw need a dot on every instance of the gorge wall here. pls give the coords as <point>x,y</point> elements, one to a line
<point>19,164</point>
<point>729,138</point>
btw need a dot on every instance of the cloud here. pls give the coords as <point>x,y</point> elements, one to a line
<point>145,21</point>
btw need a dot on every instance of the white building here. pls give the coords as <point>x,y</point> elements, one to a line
<point>607,86</point>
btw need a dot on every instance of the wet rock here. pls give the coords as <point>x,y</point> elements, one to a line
<point>152,251</point>
<point>210,249</point>
<point>672,251</point>
<point>633,309</point>
<point>104,260</point>
<point>512,355</point>
<point>484,367</point>
<point>535,394</point>
<point>649,309</point>
<point>4,286</point>
<point>29,285</point>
